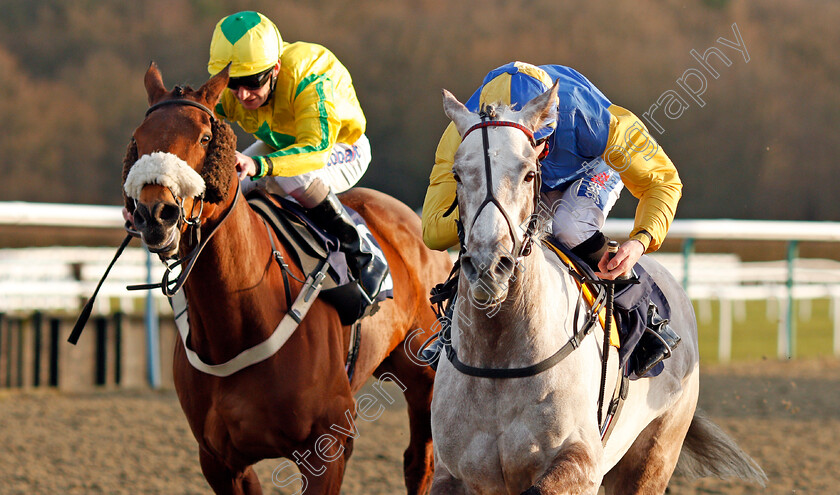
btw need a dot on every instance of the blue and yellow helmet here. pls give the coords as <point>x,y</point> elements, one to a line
<point>248,41</point>
<point>514,84</point>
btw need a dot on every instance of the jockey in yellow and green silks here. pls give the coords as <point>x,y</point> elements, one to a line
<point>313,104</point>
<point>594,149</point>
<point>298,101</point>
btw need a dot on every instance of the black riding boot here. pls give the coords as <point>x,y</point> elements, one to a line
<point>656,343</point>
<point>369,270</point>
<point>431,354</point>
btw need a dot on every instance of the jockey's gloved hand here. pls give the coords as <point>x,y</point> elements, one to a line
<point>622,263</point>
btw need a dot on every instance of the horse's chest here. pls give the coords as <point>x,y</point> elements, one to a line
<point>492,443</point>
<point>233,421</point>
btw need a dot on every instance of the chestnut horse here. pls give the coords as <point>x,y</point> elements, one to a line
<point>298,403</point>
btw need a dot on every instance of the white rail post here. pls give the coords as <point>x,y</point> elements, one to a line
<point>782,349</point>
<point>792,252</point>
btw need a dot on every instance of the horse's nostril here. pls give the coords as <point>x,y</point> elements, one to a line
<point>141,216</point>
<point>168,214</point>
<point>468,268</point>
<point>505,267</point>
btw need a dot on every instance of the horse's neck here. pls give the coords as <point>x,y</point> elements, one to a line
<point>230,292</point>
<point>534,318</point>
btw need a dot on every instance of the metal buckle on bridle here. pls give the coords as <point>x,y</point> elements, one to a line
<point>194,223</point>
<point>170,287</point>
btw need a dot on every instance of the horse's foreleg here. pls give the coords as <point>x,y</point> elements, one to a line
<point>446,484</point>
<point>418,460</point>
<point>573,471</point>
<point>324,477</point>
<point>225,481</point>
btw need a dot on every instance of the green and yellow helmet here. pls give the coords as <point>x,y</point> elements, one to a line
<point>248,41</point>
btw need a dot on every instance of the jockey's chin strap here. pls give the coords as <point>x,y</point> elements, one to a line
<point>520,247</point>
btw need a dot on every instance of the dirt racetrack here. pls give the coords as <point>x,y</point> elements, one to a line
<point>785,414</point>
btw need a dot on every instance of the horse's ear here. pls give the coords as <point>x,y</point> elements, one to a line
<point>212,89</point>
<point>154,84</point>
<point>457,112</point>
<point>541,110</point>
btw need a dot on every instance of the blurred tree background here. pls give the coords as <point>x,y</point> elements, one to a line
<point>71,85</point>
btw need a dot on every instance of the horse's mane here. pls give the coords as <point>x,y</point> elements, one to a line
<point>490,110</point>
<point>218,163</point>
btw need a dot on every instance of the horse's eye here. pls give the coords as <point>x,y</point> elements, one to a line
<point>530,176</point>
<point>456,177</point>
<point>205,139</point>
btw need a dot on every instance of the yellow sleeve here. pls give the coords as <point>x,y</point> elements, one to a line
<point>316,130</point>
<point>440,232</point>
<point>648,174</point>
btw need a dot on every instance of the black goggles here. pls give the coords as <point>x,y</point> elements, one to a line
<point>254,81</point>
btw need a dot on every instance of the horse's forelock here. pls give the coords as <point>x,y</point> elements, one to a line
<point>490,111</point>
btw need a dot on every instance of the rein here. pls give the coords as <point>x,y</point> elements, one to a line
<point>602,302</point>
<point>581,333</point>
<point>534,369</point>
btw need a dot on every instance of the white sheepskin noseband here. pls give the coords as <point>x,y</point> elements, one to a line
<point>167,170</point>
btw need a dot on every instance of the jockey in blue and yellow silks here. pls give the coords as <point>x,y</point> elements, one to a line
<point>298,100</point>
<point>588,154</point>
<point>594,149</point>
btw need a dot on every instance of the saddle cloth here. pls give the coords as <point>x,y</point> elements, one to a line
<point>310,244</point>
<point>630,303</point>
<point>589,294</point>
